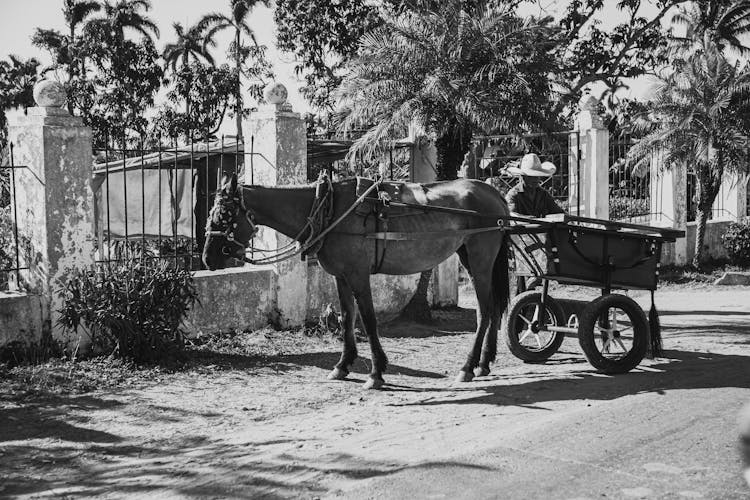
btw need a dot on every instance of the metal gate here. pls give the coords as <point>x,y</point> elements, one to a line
<point>495,153</point>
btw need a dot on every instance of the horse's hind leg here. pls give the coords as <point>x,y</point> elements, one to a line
<point>362,292</point>
<point>489,349</point>
<point>498,302</point>
<point>349,314</point>
<point>480,262</point>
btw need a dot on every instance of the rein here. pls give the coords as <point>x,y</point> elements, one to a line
<point>296,248</point>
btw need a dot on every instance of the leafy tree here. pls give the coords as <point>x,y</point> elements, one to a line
<point>725,22</point>
<point>209,90</point>
<point>698,118</point>
<point>237,20</point>
<point>17,79</point>
<point>114,102</point>
<point>125,15</point>
<point>65,49</point>
<point>453,69</point>
<point>190,43</point>
<point>323,36</point>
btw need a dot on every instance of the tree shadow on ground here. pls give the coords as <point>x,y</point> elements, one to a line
<point>187,467</point>
<point>682,370</point>
<point>53,417</point>
<point>284,363</point>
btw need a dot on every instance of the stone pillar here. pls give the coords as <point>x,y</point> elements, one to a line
<point>669,206</point>
<point>731,202</point>
<point>443,290</point>
<point>54,199</point>
<point>594,147</point>
<point>280,147</point>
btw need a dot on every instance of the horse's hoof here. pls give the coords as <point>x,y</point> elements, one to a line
<point>481,371</point>
<point>374,383</point>
<point>338,374</point>
<point>464,377</point>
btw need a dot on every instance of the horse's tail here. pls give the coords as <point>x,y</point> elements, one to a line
<point>501,277</point>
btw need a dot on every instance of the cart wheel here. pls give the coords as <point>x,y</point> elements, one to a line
<point>521,332</point>
<point>613,333</point>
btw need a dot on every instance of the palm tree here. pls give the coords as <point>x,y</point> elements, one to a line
<point>125,14</point>
<point>725,22</point>
<point>190,43</point>
<point>238,21</point>
<point>76,12</point>
<point>455,68</point>
<point>698,118</point>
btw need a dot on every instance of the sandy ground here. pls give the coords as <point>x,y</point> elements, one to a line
<point>272,426</point>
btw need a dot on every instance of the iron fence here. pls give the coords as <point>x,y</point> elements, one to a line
<point>13,257</point>
<point>629,189</point>
<point>498,152</point>
<point>153,201</point>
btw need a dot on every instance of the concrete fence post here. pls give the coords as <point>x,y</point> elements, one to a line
<point>669,206</point>
<point>594,147</point>
<point>54,199</point>
<point>280,158</point>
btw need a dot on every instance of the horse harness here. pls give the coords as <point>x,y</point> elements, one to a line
<point>375,198</point>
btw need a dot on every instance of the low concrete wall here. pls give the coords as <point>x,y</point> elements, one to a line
<point>20,318</point>
<point>389,293</point>
<point>232,299</point>
<point>712,240</point>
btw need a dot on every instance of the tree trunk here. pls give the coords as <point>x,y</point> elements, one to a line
<point>418,309</point>
<point>700,234</point>
<point>451,148</point>
<point>238,95</point>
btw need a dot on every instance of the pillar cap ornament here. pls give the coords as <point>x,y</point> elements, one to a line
<point>589,103</point>
<point>276,95</point>
<point>49,94</point>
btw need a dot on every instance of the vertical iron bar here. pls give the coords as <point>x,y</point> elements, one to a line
<point>15,216</point>
<point>143,203</point>
<point>174,206</point>
<point>252,164</point>
<point>109,218</point>
<point>158,170</point>
<point>125,196</point>
<point>578,173</point>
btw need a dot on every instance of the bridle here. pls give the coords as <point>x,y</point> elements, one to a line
<point>231,226</point>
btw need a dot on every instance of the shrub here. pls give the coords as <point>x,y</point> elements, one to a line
<point>132,309</point>
<point>736,240</point>
<point>621,207</point>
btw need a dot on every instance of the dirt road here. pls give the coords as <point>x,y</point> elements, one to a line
<point>272,426</point>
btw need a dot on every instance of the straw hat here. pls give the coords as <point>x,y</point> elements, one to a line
<point>532,166</point>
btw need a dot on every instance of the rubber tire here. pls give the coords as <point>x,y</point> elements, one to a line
<point>509,327</point>
<point>587,339</point>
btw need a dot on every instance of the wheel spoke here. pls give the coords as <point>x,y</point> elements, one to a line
<point>622,346</point>
<point>526,333</point>
<point>538,341</point>
<point>536,313</point>
<point>525,320</point>
<point>605,345</point>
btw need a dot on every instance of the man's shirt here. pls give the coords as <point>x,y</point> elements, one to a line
<point>532,202</point>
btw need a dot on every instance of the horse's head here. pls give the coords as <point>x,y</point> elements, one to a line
<point>229,228</point>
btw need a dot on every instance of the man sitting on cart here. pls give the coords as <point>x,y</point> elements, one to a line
<point>528,198</point>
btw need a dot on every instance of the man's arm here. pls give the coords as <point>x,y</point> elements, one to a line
<point>551,205</point>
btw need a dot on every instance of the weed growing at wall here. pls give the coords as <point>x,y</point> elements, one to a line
<point>132,309</point>
<point>737,242</point>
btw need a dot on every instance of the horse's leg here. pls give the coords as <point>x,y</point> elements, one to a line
<point>499,298</point>
<point>489,349</point>
<point>349,314</point>
<point>362,292</point>
<point>481,265</point>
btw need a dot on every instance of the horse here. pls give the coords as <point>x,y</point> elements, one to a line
<point>461,216</point>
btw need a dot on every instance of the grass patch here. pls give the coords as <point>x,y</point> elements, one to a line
<point>710,272</point>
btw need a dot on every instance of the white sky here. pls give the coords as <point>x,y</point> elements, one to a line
<point>18,18</point>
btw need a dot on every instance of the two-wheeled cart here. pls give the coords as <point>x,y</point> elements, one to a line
<point>613,330</point>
